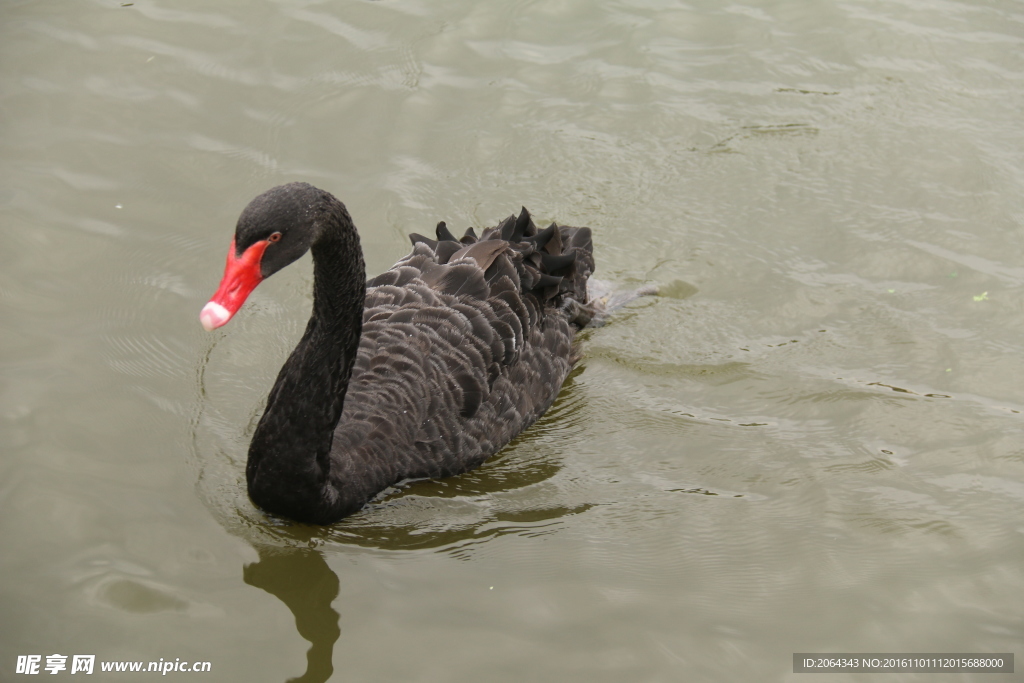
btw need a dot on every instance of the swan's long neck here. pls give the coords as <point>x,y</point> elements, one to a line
<point>289,457</point>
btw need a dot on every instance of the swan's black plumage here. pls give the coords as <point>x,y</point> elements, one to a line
<point>423,371</point>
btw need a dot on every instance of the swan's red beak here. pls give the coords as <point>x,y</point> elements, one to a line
<point>241,275</point>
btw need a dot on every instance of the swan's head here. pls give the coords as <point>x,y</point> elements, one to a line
<point>274,230</point>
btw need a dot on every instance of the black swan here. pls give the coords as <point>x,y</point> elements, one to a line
<point>421,372</point>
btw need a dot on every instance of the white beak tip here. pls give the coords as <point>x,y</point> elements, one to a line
<point>213,316</point>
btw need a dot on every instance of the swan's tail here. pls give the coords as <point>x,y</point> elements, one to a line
<point>554,265</point>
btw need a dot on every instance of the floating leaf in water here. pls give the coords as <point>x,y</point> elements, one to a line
<point>981,297</point>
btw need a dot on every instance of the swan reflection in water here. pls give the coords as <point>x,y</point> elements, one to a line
<point>302,580</point>
<point>299,575</point>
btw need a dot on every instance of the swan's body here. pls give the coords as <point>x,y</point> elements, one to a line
<point>424,371</point>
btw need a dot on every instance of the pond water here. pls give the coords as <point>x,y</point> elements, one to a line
<point>810,441</point>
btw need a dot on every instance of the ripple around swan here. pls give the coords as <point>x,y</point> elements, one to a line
<point>515,492</point>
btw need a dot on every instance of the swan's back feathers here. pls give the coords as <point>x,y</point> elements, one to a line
<point>465,343</point>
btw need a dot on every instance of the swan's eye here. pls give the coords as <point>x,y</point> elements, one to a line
<point>274,237</point>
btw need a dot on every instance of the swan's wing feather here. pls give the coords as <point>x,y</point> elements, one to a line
<point>460,280</point>
<point>446,249</point>
<point>483,253</point>
<point>464,344</point>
